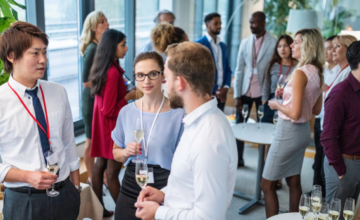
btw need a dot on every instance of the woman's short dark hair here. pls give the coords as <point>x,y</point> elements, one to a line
<point>152,55</point>
<point>17,39</point>
<point>353,55</point>
<point>104,57</point>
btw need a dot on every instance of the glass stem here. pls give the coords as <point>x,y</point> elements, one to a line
<point>52,187</point>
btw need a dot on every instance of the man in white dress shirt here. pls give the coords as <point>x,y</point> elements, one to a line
<point>35,118</point>
<point>203,170</point>
<point>330,72</point>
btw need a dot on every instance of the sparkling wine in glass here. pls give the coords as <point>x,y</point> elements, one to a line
<point>281,82</point>
<point>304,205</point>
<point>335,209</point>
<point>139,135</point>
<point>244,112</point>
<point>349,209</point>
<point>324,211</point>
<point>53,167</point>
<point>316,196</point>
<point>141,174</point>
<point>276,116</point>
<point>260,113</point>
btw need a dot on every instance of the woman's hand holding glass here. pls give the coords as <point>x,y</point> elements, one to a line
<point>133,149</point>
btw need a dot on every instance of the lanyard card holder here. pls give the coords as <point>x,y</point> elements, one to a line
<point>151,175</point>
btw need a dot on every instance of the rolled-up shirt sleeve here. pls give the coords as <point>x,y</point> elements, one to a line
<point>210,187</point>
<point>4,169</point>
<point>118,134</point>
<point>335,114</point>
<point>68,139</point>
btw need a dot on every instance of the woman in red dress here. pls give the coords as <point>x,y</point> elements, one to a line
<point>109,89</point>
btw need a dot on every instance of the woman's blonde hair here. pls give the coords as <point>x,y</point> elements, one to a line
<point>88,35</point>
<point>344,40</point>
<point>165,34</point>
<point>312,50</point>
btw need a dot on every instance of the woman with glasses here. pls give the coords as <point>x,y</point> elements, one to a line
<point>109,89</point>
<point>163,129</point>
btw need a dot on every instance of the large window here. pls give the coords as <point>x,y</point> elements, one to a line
<point>145,13</point>
<point>61,25</point>
<point>21,12</point>
<point>114,11</point>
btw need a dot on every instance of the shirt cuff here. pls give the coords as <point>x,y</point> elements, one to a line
<point>161,213</point>
<point>340,168</point>
<point>3,171</point>
<point>226,87</point>
<point>74,165</point>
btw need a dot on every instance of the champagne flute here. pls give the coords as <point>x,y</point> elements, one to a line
<point>349,209</point>
<point>260,113</point>
<point>275,118</point>
<point>244,112</point>
<point>304,206</point>
<point>139,135</point>
<point>335,209</point>
<point>53,167</point>
<point>281,82</point>
<point>317,187</point>
<point>141,174</point>
<point>324,211</point>
<point>316,196</point>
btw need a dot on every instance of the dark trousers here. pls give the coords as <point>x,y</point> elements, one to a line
<point>319,176</point>
<point>220,105</point>
<point>240,119</point>
<point>268,113</point>
<point>26,206</point>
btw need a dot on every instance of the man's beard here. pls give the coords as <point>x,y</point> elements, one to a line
<point>175,100</point>
<point>216,32</point>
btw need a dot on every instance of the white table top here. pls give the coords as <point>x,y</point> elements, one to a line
<point>287,216</point>
<point>252,133</point>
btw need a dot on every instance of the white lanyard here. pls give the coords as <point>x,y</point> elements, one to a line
<point>146,147</point>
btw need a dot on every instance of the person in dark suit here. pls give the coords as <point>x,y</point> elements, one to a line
<point>219,53</point>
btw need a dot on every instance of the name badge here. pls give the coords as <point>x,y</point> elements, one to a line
<point>255,71</point>
<point>151,175</point>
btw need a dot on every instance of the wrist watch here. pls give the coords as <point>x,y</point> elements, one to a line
<point>78,188</point>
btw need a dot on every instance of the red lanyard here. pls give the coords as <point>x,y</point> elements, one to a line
<point>336,78</point>
<point>287,70</point>
<point>47,122</point>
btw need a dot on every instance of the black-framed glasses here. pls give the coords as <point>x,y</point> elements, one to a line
<point>152,75</point>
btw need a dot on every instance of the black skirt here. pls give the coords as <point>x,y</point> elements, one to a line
<point>129,191</point>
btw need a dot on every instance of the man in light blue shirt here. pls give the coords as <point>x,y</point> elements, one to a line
<point>161,17</point>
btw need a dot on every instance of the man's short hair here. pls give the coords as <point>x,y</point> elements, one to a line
<point>331,38</point>
<point>17,39</point>
<point>260,14</point>
<point>194,62</point>
<point>210,16</point>
<point>162,12</point>
<point>353,55</point>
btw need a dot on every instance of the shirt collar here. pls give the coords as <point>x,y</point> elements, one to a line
<point>211,39</point>
<point>20,88</point>
<point>201,110</point>
<point>355,84</point>
<point>260,37</point>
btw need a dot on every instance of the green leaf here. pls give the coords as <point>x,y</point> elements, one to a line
<point>17,4</point>
<point>15,14</point>
<point>5,23</point>
<point>5,8</point>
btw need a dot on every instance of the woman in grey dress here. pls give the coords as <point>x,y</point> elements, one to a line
<point>301,98</point>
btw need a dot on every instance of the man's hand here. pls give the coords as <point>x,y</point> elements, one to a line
<point>221,94</point>
<point>146,210</point>
<point>238,105</point>
<point>151,194</point>
<point>40,179</point>
<point>340,177</point>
